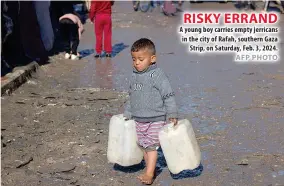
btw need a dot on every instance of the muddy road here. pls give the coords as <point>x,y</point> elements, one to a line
<point>55,127</point>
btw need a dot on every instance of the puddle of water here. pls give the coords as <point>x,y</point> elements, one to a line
<point>281,173</point>
<point>116,49</point>
<point>187,106</point>
<point>167,182</point>
<point>204,155</point>
<point>205,128</point>
<point>274,174</point>
<point>241,149</point>
<point>208,143</point>
<point>98,73</point>
<point>210,167</point>
<point>161,164</point>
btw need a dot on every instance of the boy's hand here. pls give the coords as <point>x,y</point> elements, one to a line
<point>125,117</point>
<point>174,120</point>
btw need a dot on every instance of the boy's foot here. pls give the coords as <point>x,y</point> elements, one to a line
<point>108,54</point>
<point>67,56</point>
<point>146,179</point>
<point>74,57</point>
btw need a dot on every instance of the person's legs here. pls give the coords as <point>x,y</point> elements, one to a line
<point>98,32</point>
<point>65,33</point>
<point>65,37</point>
<point>179,8</point>
<point>135,5</point>
<point>74,38</point>
<point>148,138</point>
<point>151,160</point>
<point>145,155</point>
<point>141,131</point>
<point>107,34</point>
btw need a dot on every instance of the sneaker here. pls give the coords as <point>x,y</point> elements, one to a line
<point>67,56</point>
<point>98,55</point>
<point>74,57</point>
<point>108,55</point>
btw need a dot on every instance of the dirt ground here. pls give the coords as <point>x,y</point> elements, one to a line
<point>55,127</point>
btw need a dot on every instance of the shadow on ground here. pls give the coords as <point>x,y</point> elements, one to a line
<point>116,49</point>
<point>161,164</point>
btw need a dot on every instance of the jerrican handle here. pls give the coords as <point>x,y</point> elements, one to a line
<point>172,126</point>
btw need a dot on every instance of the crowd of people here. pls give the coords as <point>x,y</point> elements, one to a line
<point>71,29</point>
<point>32,31</point>
<point>36,25</point>
<point>100,12</point>
<point>172,7</point>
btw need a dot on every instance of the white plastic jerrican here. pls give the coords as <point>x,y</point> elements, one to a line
<point>122,142</point>
<point>180,147</point>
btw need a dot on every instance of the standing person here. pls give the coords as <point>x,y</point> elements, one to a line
<point>179,8</point>
<point>151,103</point>
<point>100,14</point>
<point>71,29</point>
<point>247,4</point>
<point>135,5</point>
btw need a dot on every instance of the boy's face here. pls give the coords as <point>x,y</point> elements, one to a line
<point>142,59</point>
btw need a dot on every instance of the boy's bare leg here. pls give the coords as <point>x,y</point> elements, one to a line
<point>146,162</point>
<point>145,157</point>
<point>147,177</point>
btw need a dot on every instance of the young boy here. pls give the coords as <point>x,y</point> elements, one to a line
<point>151,103</point>
<point>100,14</point>
<point>71,29</point>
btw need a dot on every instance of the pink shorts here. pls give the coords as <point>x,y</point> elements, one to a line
<point>148,134</point>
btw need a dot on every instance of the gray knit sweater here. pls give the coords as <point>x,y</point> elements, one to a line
<point>151,96</point>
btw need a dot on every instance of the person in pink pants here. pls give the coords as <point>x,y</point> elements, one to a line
<point>100,15</point>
